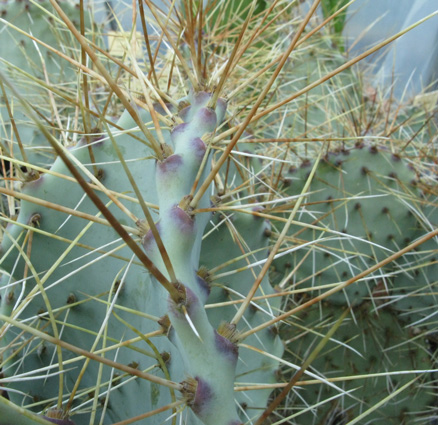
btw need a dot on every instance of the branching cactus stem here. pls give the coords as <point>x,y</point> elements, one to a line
<point>198,341</point>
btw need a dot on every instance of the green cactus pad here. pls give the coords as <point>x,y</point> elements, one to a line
<point>20,55</point>
<point>97,271</point>
<point>362,202</point>
<point>414,282</point>
<point>371,355</point>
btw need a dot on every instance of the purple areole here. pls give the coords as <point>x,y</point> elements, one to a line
<point>226,347</point>
<point>192,304</point>
<point>205,118</point>
<point>203,396</point>
<point>170,165</point>
<point>201,98</point>
<point>198,147</point>
<point>184,222</point>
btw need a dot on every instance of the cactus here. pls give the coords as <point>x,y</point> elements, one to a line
<point>134,285</point>
<point>187,348</point>
<point>364,193</point>
<point>363,204</point>
<point>412,290</point>
<point>194,346</point>
<point>34,61</point>
<point>366,346</point>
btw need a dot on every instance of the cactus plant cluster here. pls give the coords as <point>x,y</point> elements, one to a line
<point>367,200</point>
<point>136,282</point>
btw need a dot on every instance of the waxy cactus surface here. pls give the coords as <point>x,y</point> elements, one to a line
<point>31,62</point>
<point>362,208</point>
<point>98,282</point>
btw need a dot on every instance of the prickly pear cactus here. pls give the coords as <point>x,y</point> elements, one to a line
<point>360,209</point>
<point>414,279</point>
<point>370,358</point>
<point>76,281</point>
<point>21,55</point>
<point>131,290</point>
<point>19,50</point>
